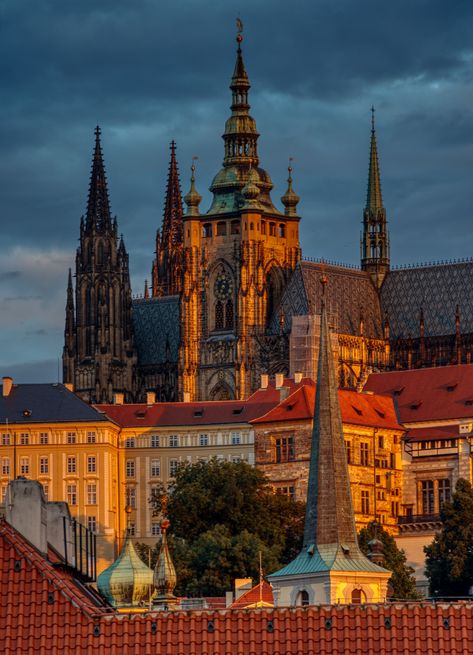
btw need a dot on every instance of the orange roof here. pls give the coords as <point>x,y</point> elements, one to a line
<point>261,595</point>
<point>428,394</point>
<point>44,610</point>
<point>435,433</point>
<point>196,413</point>
<point>356,408</point>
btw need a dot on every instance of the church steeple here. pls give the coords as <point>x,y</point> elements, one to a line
<point>167,267</point>
<point>375,240</point>
<point>98,206</point>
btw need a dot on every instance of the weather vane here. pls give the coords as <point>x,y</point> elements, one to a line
<point>239,25</point>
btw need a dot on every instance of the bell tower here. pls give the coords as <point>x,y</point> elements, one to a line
<point>99,357</point>
<point>375,238</point>
<point>238,258</point>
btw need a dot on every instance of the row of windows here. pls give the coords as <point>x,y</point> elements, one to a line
<point>44,438</point>
<point>155,467</point>
<point>220,229</point>
<point>284,451</point>
<point>90,491</point>
<point>71,465</point>
<point>174,440</point>
<point>444,493</point>
<point>365,459</point>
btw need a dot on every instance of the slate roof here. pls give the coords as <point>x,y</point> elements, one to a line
<point>70,622</point>
<point>349,294</point>
<point>438,290</point>
<point>43,403</point>
<point>428,394</point>
<point>156,326</point>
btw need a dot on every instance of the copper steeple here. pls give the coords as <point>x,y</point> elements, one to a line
<point>98,206</point>
<point>375,239</point>
<point>164,573</point>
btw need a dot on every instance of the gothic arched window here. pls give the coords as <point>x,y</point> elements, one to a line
<point>219,319</point>
<point>229,314</point>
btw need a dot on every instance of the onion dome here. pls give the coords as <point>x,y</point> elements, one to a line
<point>251,190</point>
<point>165,578</point>
<point>128,581</point>
<point>193,198</point>
<point>290,199</point>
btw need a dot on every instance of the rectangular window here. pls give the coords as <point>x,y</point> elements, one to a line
<point>174,441</point>
<point>6,466</point>
<point>236,438</point>
<point>173,464</point>
<point>365,502</point>
<point>129,443</point>
<point>203,439</point>
<point>348,451</point>
<point>90,437</point>
<point>444,492</point>
<point>92,494</point>
<point>364,454</point>
<point>43,465</point>
<point>92,523</point>
<point>289,491</point>
<point>24,439</point>
<point>46,491</point>
<point>395,508</point>
<point>71,437</point>
<point>71,491</point>
<point>4,494</point>
<point>91,464</point>
<point>284,449</point>
<point>131,529</point>
<point>427,497</point>
<point>71,465</point>
<point>131,497</point>
<point>154,441</point>
<point>24,466</point>
<point>6,439</point>
<point>43,438</point>
<point>155,468</point>
<point>155,529</point>
<point>130,468</point>
<point>380,442</point>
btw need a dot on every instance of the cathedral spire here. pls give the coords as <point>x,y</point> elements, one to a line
<point>171,233</point>
<point>98,206</point>
<point>375,239</point>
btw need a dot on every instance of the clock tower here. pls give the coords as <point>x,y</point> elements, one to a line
<point>238,258</point>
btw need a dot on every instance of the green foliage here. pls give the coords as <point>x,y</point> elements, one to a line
<point>449,559</point>
<point>402,580</point>
<point>222,516</point>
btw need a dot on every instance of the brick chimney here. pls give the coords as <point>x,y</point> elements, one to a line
<point>150,397</point>
<point>118,398</point>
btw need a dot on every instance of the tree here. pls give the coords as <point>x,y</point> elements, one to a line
<point>402,581</point>
<point>449,559</point>
<point>222,515</point>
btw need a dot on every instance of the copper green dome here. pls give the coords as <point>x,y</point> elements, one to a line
<point>128,581</point>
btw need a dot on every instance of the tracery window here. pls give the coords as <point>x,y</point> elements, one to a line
<point>219,315</point>
<point>229,314</point>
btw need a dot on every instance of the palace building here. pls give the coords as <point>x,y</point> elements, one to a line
<point>233,298</point>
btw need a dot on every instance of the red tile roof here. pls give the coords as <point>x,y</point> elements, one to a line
<point>428,394</point>
<point>198,413</point>
<point>435,433</point>
<point>43,610</point>
<point>258,596</point>
<point>356,408</point>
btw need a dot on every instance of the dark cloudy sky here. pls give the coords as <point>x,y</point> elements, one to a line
<point>151,70</point>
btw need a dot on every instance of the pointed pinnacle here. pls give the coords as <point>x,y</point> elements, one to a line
<point>374,199</point>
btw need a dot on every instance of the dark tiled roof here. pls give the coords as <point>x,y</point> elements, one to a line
<point>42,403</point>
<point>350,294</point>
<point>156,324</point>
<point>428,394</point>
<point>438,290</point>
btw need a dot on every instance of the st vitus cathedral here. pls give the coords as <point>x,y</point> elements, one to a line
<point>232,298</point>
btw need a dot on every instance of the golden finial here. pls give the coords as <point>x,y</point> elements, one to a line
<point>372,117</point>
<point>239,26</point>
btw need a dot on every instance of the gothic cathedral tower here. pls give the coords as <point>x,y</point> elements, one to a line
<point>99,357</point>
<point>238,258</point>
<point>375,238</point>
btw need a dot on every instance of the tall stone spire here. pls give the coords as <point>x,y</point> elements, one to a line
<point>375,239</point>
<point>330,544</point>
<point>167,267</point>
<point>98,206</point>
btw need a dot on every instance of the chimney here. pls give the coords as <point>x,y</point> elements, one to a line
<point>298,377</point>
<point>279,377</point>
<point>150,397</point>
<point>187,397</point>
<point>69,386</point>
<point>7,385</point>
<point>264,380</point>
<point>25,510</point>
<point>59,529</point>
<point>242,585</point>
<point>118,398</point>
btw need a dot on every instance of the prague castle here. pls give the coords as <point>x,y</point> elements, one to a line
<point>232,297</point>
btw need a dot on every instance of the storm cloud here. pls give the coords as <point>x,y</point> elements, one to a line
<point>149,71</point>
